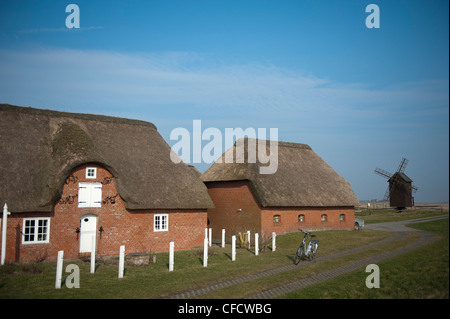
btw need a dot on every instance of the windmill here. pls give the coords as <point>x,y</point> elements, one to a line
<point>400,189</point>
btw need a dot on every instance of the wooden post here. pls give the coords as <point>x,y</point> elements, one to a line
<point>274,237</point>
<point>4,230</point>
<point>210,237</point>
<point>93,255</point>
<point>59,266</point>
<point>171,257</point>
<point>233,248</point>
<point>223,238</point>
<point>121,260</point>
<point>248,238</point>
<point>205,252</point>
<point>256,244</point>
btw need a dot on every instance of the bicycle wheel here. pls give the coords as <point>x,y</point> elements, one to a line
<point>298,255</point>
<point>314,250</point>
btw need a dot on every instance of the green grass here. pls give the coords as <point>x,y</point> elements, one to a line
<point>422,273</point>
<point>155,280</point>
<point>372,216</point>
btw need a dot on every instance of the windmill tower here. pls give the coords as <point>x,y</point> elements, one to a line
<point>400,189</point>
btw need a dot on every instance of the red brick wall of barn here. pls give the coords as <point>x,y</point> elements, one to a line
<point>134,229</point>
<point>228,199</point>
<point>230,196</point>
<point>289,221</point>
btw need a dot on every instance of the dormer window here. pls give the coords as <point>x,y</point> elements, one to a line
<point>91,172</point>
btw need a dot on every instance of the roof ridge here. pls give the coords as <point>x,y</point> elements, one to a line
<point>280,143</point>
<point>83,116</point>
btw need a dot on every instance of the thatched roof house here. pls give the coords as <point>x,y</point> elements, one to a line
<point>302,184</point>
<point>78,181</point>
<point>303,178</point>
<point>39,148</point>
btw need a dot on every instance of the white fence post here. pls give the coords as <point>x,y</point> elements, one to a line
<point>93,255</point>
<point>121,260</point>
<point>274,236</point>
<point>206,232</point>
<point>223,238</point>
<point>205,252</point>
<point>59,266</point>
<point>233,248</point>
<point>4,230</point>
<point>256,244</point>
<point>171,257</point>
<point>210,237</point>
<point>248,237</point>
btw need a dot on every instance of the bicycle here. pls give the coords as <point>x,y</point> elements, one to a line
<point>309,251</point>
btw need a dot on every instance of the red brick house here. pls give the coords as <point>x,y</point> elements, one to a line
<point>305,192</point>
<point>71,179</point>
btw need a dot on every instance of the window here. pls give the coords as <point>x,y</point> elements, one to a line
<point>36,230</point>
<point>89,195</point>
<point>276,219</point>
<point>91,172</point>
<point>323,217</point>
<point>301,218</point>
<point>342,217</point>
<point>161,222</point>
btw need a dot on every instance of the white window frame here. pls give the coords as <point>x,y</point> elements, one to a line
<point>93,170</point>
<point>88,195</point>
<point>324,218</point>
<point>161,222</point>
<point>35,233</point>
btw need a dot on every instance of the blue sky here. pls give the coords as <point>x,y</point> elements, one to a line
<point>361,98</point>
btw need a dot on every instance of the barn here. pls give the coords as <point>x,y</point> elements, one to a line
<point>72,181</point>
<point>304,192</point>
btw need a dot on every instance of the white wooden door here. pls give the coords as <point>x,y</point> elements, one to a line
<point>88,229</point>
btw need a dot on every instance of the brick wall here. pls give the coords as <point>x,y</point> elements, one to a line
<point>134,229</point>
<point>236,209</point>
<point>230,196</point>
<point>289,219</point>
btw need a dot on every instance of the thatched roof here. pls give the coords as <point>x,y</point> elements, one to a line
<point>303,179</point>
<point>40,148</point>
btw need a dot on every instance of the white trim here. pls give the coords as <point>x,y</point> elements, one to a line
<point>162,224</point>
<point>90,170</point>
<point>35,233</point>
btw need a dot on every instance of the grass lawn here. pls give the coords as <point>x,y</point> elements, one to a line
<point>422,273</point>
<point>372,216</point>
<point>154,280</point>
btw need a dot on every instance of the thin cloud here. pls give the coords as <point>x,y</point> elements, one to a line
<point>62,29</point>
<point>90,77</point>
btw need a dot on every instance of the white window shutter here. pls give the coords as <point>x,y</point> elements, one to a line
<point>83,195</point>
<point>96,195</point>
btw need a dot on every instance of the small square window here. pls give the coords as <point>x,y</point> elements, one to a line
<point>323,217</point>
<point>342,217</point>
<point>91,172</point>
<point>276,218</point>
<point>301,218</point>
